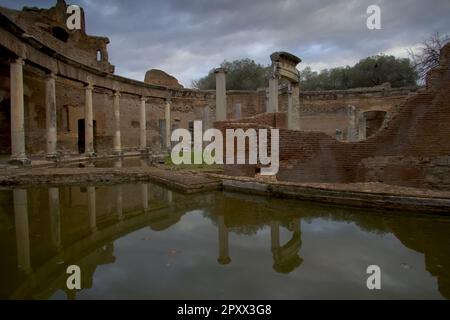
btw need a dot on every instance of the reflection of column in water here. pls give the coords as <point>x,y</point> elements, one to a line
<point>144,192</point>
<point>22,230</point>
<point>119,203</point>
<point>275,235</point>
<point>143,162</point>
<point>118,163</point>
<point>169,196</point>
<point>91,209</point>
<point>55,216</point>
<point>224,257</point>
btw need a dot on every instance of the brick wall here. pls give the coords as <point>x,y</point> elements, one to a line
<point>411,150</point>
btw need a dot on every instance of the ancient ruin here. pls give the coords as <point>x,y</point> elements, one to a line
<point>68,122</point>
<point>73,104</point>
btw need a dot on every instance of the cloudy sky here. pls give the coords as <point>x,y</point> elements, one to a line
<point>188,38</point>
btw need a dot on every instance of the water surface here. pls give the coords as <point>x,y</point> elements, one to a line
<point>146,242</point>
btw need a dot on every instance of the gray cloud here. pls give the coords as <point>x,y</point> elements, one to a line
<point>188,38</point>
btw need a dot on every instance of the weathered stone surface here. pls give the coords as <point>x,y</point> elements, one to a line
<point>161,78</point>
<point>355,194</point>
<point>183,181</point>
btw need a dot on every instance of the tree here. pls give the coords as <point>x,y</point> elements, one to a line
<point>427,56</point>
<point>376,70</point>
<point>368,72</point>
<point>244,74</point>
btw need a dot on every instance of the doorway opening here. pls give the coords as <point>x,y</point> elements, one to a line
<point>5,126</point>
<point>81,136</point>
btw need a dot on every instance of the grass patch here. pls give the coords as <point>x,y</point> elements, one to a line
<point>168,162</point>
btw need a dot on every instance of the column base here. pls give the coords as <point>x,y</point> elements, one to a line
<point>52,157</point>
<point>20,161</point>
<point>90,155</point>
<point>224,261</point>
<point>117,153</point>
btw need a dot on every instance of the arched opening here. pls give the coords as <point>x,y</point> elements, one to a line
<point>5,126</point>
<point>60,34</point>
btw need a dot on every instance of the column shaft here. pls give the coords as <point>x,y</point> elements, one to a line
<point>273,95</point>
<point>119,202</point>
<point>144,194</point>
<point>224,255</point>
<point>17,112</point>
<point>238,111</point>
<point>221,95</point>
<point>92,208</point>
<point>117,143</point>
<point>143,126</point>
<point>50,108</point>
<point>362,126</point>
<point>55,216</point>
<point>294,107</point>
<point>89,121</point>
<point>352,129</point>
<point>22,229</point>
<point>168,125</point>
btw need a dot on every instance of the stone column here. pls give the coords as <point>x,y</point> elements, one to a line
<point>362,126</point>
<point>89,121</point>
<point>92,209</point>
<point>50,108</point>
<point>221,95</point>
<point>206,122</point>
<point>117,143</point>
<point>352,129</point>
<point>238,111</point>
<point>169,196</point>
<point>275,236</point>
<point>293,114</point>
<point>224,256</point>
<point>339,135</point>
<point>22,230</point>
<point>168,124</point>
<point>144,193</point>
<point>118,163</point>
<point>55,217</point>
<point>143,126</point>
<point>17,113</point>
<point>273,94</point>
<point>119,202</point>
